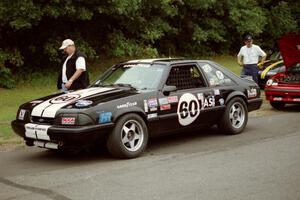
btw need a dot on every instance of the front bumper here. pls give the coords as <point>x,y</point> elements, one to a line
<point>49,136</point>
<point>283,95</point>
<point>254,104</point>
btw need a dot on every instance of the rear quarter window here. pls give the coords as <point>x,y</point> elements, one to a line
<point>215,76</point>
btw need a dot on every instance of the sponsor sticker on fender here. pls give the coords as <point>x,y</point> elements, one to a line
<point>163,101</point>
<point>206,101</point>
<point>221,101</point>
<point>127,105</point>
<point>152,103</point>
<point>153,115</point>
<point>173,99</point>
<point>165,107</point>
<point>105,117</point>
<point>68,120</point>
<point>146,106</point>
<point>216,91</point>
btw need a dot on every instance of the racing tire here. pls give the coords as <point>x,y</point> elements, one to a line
<point>129,137</point>
<point>235,117</point>
<point>277,105</point>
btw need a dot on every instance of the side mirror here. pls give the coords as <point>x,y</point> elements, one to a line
<point>169,88</point>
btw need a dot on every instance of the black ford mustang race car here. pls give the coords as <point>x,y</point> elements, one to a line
<point>138,99</point>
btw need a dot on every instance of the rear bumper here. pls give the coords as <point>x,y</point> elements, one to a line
<point>254,104</point>
<point>63,136</point>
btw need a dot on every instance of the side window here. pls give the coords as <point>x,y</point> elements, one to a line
<point>215,76</point>
<point>185,77</point>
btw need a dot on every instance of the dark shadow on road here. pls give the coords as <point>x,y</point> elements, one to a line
<point>290,108</point>
<point>96,155</point>
<point>158,145</point>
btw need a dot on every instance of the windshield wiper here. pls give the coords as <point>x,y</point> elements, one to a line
<point>98,85</point>
<point>114,84</point>
<point>123,85</point>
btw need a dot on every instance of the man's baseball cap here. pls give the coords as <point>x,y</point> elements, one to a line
<point>66,42</point>
<point>247,37</point>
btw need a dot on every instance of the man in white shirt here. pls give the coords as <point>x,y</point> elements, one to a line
<point>73,75</point>
<point>249,56</point>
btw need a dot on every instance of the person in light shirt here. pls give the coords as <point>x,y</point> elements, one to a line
<point>74,75</point>
<point>249,56</point>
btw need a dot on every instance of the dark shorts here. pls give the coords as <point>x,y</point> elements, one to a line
<point>250,70</point>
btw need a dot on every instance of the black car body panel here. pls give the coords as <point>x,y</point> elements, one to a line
<point>170,95</point>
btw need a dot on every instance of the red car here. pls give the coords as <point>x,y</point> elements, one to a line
<point>284,88</point>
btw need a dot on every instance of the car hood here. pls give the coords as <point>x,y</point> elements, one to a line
<point>289,46</point>
<point>49,107</point>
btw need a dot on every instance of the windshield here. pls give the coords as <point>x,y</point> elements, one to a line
<point>139,76</point>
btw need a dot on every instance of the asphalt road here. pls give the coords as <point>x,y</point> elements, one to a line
<point>261,163</point>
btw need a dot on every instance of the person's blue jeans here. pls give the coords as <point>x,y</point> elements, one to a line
<point>250,70</point>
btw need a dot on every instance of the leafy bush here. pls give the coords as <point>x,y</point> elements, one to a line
<point>32,31</point>
<point>9,59</point>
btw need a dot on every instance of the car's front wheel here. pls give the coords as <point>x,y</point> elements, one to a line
<point>235,117</point>
<point>129,138</point>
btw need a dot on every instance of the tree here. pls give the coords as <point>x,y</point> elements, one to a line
<point>31,31</point>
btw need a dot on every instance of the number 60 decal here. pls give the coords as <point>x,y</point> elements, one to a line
<point>188,109</point>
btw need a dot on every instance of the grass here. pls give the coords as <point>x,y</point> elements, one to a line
<point>229,62</point>
<point>45,84</point>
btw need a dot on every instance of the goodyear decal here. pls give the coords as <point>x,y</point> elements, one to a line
<point>127,105</point>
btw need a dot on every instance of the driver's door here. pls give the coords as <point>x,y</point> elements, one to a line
<point>181,109</point>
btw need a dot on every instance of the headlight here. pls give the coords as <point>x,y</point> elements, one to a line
<point>271,82</point>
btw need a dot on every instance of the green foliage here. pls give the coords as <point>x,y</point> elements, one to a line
<point>6,80</point>
<point>281,20</point>
<point>247,16</point>
<point>123,47</point>
<point>20,14</point>
<point>8,59</point>
<point>85,47</point>
<point>32,31</point>
<point>126,8</point>
<point>52,51</point>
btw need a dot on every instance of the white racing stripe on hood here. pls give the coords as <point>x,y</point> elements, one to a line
<point>49,107</point>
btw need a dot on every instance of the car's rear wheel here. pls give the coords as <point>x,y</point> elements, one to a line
<point>277,104</point>
<point>129,138</point>
<point>235,117</point>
